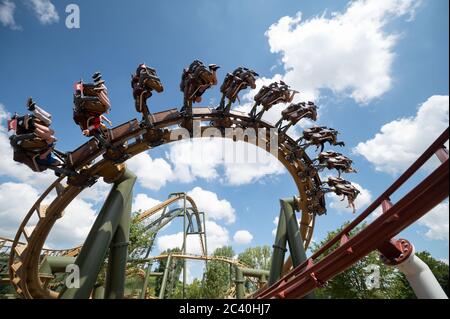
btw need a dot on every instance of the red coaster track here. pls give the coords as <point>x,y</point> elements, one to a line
<point>378,235</point>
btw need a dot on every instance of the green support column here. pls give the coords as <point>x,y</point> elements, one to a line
<point>93,252</point>
<point>99,292</point>
<point>184,245</point>
<point>240,292</point>
<point>147,276</point>
<point>252,272</point>
<point>262,280</point>
<point>295,240</point>
<point>279,250</point>
<point>55,264</point>
<point>164,280</point>
<point>118,254</point>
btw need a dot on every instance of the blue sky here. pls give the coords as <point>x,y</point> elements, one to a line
<point>389,69</point>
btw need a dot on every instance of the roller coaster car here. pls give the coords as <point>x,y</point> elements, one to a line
<point>143,82</point>
<point>337,161</point>
<point>24,127</point>
<point>240,79</point>
<point>27,149</point>
<point>165,116</point>
<point>344,188</point>
<point>270,95</point>
<point>122,131</point>
<point>273,94</point>
<point>83,154</point>
<point>29,159</point>
<point>295,112</point>
<point>32,137</point>
<point>319,135</point>
<point>90,99</point>
<point>196,79</point>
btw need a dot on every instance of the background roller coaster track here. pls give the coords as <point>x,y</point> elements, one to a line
<point>37,224</point>
<point>227,260</point>
<point>324,265</point>
<point>7,243</point>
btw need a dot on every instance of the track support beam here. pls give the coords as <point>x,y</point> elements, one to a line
<point>165,277</point>
<point>92,255</point>
<point>287,231</point>
<point>118,253</point>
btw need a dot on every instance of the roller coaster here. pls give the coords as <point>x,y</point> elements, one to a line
<point>54,261</point>
<point>105,158</point>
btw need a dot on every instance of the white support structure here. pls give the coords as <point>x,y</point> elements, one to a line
<point>421,278</point>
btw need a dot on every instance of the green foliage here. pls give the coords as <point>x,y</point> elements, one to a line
<point>351,284</point>
<point>256,257</point>
<point>133,285</point>
<point>174,273</point>
<point>5,287</point>
<point>439,269</point>
<point>217,276</point>
<point>401,288</point>
<point>195,290</point>
<point>140,241</point>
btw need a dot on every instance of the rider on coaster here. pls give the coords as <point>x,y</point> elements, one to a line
<point>90,103</point>
<point>33,140</point>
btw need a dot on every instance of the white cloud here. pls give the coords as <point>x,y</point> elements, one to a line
<point>143,202</point>
<point>274,114</point>
<point>402,141</point>
<point>243,163</point>
<point>16,199</point>
<point>437,222</point>
<point>7,9</point>
<point>242,237</point>
<point>215,208</point>
<point>196,159</point>
<point>189,160</point>
<point>151,173</point>
<point>72,229</point>
<point>350,53</point>
<point>216,236</point>
<point>20,192</point>
<point>189,276</point>
<point>96,193</point>
<point>444,260</point>
<point>275,222</point>
<point>363,199</point>
<point>45,11</point>
<point>240,174</point>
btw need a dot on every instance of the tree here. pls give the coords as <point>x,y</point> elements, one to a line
<point>174,272</point>
<point>217,276</point>
<point>194,290</point>
<point>256,257</point>
<point>402,289</point>
<point>354,283</point>
<point>140,240</point>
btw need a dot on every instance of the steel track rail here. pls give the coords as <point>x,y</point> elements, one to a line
<point>323,266</point>
<point>30,238</point>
